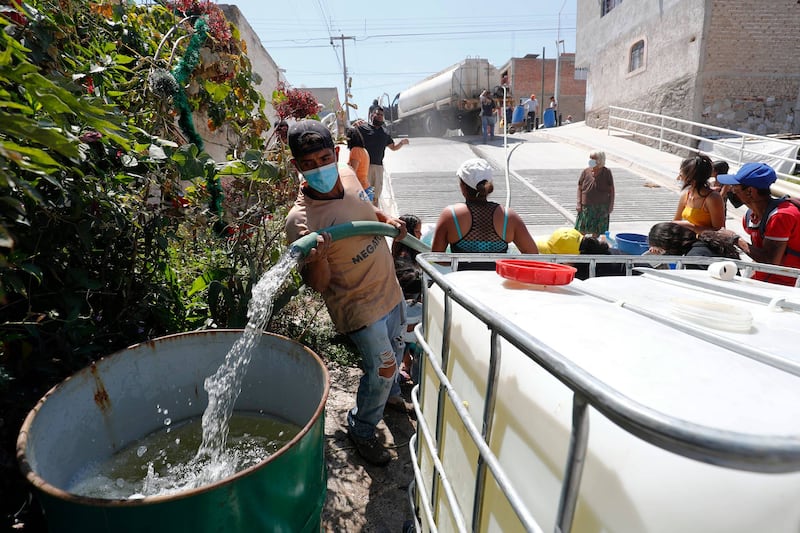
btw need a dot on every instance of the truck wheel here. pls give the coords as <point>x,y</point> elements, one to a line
<point>433,126</point>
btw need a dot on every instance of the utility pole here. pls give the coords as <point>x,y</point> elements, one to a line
<point>344,69</point>
<point>541,94</point>
<point>559,43</point>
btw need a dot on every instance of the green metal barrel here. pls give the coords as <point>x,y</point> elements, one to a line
<point>101,409</point>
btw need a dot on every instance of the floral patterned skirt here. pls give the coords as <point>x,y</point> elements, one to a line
<point>593,219</point>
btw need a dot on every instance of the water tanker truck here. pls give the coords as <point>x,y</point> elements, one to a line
<point>449,99</point>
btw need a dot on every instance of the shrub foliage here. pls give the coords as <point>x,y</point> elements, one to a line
<point>113,227</point>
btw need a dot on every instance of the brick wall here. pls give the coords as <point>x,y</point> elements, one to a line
<point>735,62</point>
<point>526,79</point>
<point>751,74</point>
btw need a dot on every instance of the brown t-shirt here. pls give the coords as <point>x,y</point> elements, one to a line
<point>593,190</point>
<point>363,285</point>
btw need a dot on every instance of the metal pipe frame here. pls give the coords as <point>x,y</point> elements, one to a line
<point>787,184</point>
<point>767,454</point>
<point>488,418</point>
<point>486,453</point>
<point>576,458</point>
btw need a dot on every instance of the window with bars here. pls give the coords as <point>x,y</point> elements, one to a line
<point>608,5</point>
<point>636,56</point>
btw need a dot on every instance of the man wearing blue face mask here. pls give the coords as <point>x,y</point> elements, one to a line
<point>355,275</point>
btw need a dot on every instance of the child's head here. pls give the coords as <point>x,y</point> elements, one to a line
<point>594,246</point>
<point>720,167</point>
<point>413,225</point>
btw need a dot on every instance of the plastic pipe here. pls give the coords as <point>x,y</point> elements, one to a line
<point>303,246</point>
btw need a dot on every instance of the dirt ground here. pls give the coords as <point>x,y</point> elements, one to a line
<point>363,497</point>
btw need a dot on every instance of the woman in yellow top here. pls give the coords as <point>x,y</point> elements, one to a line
<point>700,208</point>
<point>359,159</point>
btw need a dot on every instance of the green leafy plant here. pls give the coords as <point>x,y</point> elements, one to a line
<point>113,228</point>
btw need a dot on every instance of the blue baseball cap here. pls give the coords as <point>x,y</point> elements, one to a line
<point>758,175</point>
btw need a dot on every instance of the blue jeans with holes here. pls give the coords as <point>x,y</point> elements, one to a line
<point>380,345</point>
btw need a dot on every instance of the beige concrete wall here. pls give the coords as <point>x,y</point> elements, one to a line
<point>262,62</point>
<point>672,31</point>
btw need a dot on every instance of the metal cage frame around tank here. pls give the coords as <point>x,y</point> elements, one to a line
<point>770,454</point>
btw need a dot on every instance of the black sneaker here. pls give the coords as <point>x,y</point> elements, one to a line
<point>371,450</point>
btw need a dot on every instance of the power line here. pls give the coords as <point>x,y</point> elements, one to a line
<point>436,34</point>
<point>359,26</point>
<point>432,37</point>
<point>395,73</point>
<point>328,29</point>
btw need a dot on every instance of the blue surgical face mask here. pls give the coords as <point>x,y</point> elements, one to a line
<point>592,163</point>
<point>322,179</point>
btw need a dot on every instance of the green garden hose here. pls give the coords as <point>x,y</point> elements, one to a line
<point>303,246</point>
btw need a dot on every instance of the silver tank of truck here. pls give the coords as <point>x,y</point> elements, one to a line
<point>463,81</point>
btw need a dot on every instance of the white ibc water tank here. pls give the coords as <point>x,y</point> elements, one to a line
<point>628,485</point>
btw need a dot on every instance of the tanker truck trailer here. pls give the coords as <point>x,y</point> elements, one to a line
<point>449,99</point>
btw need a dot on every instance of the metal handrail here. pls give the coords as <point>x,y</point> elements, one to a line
<point>767,454</point>
<point>477,437</point>
<point>786,184</point>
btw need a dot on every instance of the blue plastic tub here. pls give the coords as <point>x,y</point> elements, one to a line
<point>632,243</point>
<point>549,118</point>
<point>519,115</point>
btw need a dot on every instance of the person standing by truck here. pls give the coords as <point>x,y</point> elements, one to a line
<point>488,108</point>
<point>376,139</point>
<point>531,106</point>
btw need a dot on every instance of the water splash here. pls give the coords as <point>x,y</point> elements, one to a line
<point>214,460</point>
<point>225,384</point>
<point>171,467</point>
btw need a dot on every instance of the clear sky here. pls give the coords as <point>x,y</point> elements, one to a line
<point>396,44</point>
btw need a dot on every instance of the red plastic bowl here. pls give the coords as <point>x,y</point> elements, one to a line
<point>536,272</point>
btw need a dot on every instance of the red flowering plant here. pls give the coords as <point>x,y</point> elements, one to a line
<point>295,103</point>
<point>12,11</point>
<point>217,24</point>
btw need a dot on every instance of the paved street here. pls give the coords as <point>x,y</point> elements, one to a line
<point>543,173</point>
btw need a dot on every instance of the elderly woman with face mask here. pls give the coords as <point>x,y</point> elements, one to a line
<point>595,196</point>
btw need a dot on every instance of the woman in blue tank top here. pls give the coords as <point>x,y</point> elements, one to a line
<point>478,225</point>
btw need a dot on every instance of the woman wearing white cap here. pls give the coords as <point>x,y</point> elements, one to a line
<point>478,225</point>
